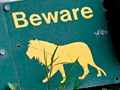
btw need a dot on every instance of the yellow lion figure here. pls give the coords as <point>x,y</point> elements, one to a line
<point>67,54</point>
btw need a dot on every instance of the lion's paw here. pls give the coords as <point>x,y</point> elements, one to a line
<point>99,74</point>
<point>63,80</point>
<point>81,77</point>
<point>45,80</point>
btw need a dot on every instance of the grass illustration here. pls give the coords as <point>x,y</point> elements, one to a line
<point>68,77</point>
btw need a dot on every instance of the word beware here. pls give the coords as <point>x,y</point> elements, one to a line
<point>36,19</point>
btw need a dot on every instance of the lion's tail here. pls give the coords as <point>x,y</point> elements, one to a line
<point>103,72</point>
<point>99,69</point>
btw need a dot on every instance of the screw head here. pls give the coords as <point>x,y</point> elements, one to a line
<point>2,52</point>
<point>7,7</point>
<point>101,32</point>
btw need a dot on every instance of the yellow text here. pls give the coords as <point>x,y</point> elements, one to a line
<point>64,16</point>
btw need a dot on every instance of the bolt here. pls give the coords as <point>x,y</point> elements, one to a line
<point>101,32</point>
<point>7,7</point>
<point>2,52</point>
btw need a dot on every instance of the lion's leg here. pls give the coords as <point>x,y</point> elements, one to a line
<point>86,71</point>
<point>51,73</point>
<point>98,69</point>
<point>62,71</point>
<point>85,68</point>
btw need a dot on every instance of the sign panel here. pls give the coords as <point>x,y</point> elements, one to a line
<point>8,72</point>
<point>57,43</point>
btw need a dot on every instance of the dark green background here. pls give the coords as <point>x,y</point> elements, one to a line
<point>8,71</point>
<point>31,73</point>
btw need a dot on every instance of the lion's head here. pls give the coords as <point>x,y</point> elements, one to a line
<point>34,49</point>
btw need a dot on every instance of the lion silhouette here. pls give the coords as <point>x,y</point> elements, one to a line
<point>67,54</point>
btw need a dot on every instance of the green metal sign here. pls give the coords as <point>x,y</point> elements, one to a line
<point>56,43</point>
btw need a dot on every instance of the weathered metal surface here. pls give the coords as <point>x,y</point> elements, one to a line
<point>4,1</point>
<point>70,21</point>
<point>8,71</point>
